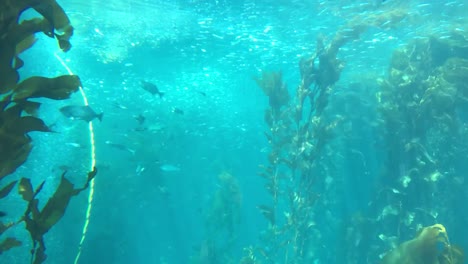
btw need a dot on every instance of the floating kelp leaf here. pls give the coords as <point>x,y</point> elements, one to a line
<point>25,189</point>
<point>91,176</point>
<point>17,63</point>
<point>38,223</point>
<point>9,61</point>
<point>14,150</point>
<point>56,205</point>
<point>11,114</point>
<point>8,77</point>
<point>6,190</point>
<point>4,227</point>
<point>21,33</point>
<point>25,44</point>
<point>15,144</point>
<point>54,13</point>
<point>54,88</point>
<point>28,106</point>
<point>27,124</point>
<point>9,243</point>
<point>5,102</point>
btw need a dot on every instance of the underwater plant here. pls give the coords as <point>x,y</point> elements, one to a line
<point>17,111</point>
<point>18,115</point>
<point>222,221</point>
<point>300,131</point>
<point>430,246</point>
<point>296,144</point>
<point>421,102</point>
<point>273,86</point>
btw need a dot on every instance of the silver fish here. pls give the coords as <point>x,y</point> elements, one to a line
<point>120,146</point>
<point>169,168</point>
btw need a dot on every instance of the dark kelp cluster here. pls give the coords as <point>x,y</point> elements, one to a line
<point>423,129</point>
<point>18,114</point>
<point>423,102</point>
<point>299,134</point>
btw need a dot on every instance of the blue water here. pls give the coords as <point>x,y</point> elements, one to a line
<point>185,188</point>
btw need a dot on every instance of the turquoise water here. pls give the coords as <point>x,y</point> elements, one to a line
<point>184,185</point>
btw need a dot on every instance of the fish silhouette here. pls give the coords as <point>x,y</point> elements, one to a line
<point>151,88</point>
<point>83,112</point>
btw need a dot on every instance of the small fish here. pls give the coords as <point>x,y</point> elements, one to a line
<point>163,190</point>
<point>201,93</point>
<point>120,106</point>
<point>139,169</point>
<point>151,88</point>
<point>169,168</point>
<point>178,111</point>
<point>83,112</point>
<point>119,146</point>
<point>73,144</point>
<point>140,119</point>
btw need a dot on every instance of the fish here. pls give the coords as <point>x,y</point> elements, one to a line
<point>140,119</point>
<point>139,169</point>
<point>151,88</point>
<point>119,146</point>
<point>120,106</point>
<point>201,93</point>
<point>178,111</point>
<point>169,168</point>
<point>73,144</point>
<point>82,112</point>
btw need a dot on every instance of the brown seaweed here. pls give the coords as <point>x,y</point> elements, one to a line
<point>38,222</point>
<point>9,243</point>
<point>6,190</point>
<point>15,104</point>
<point>18,113</point>
<point>273,86</point>
<point>58,88</point>
<point>423,249</point>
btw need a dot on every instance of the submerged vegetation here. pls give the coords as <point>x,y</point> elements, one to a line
<point>18,116</point>
<point>221,223</point>
<point>419,133</point>
<point>424,248</point>
<point>419,105</point>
